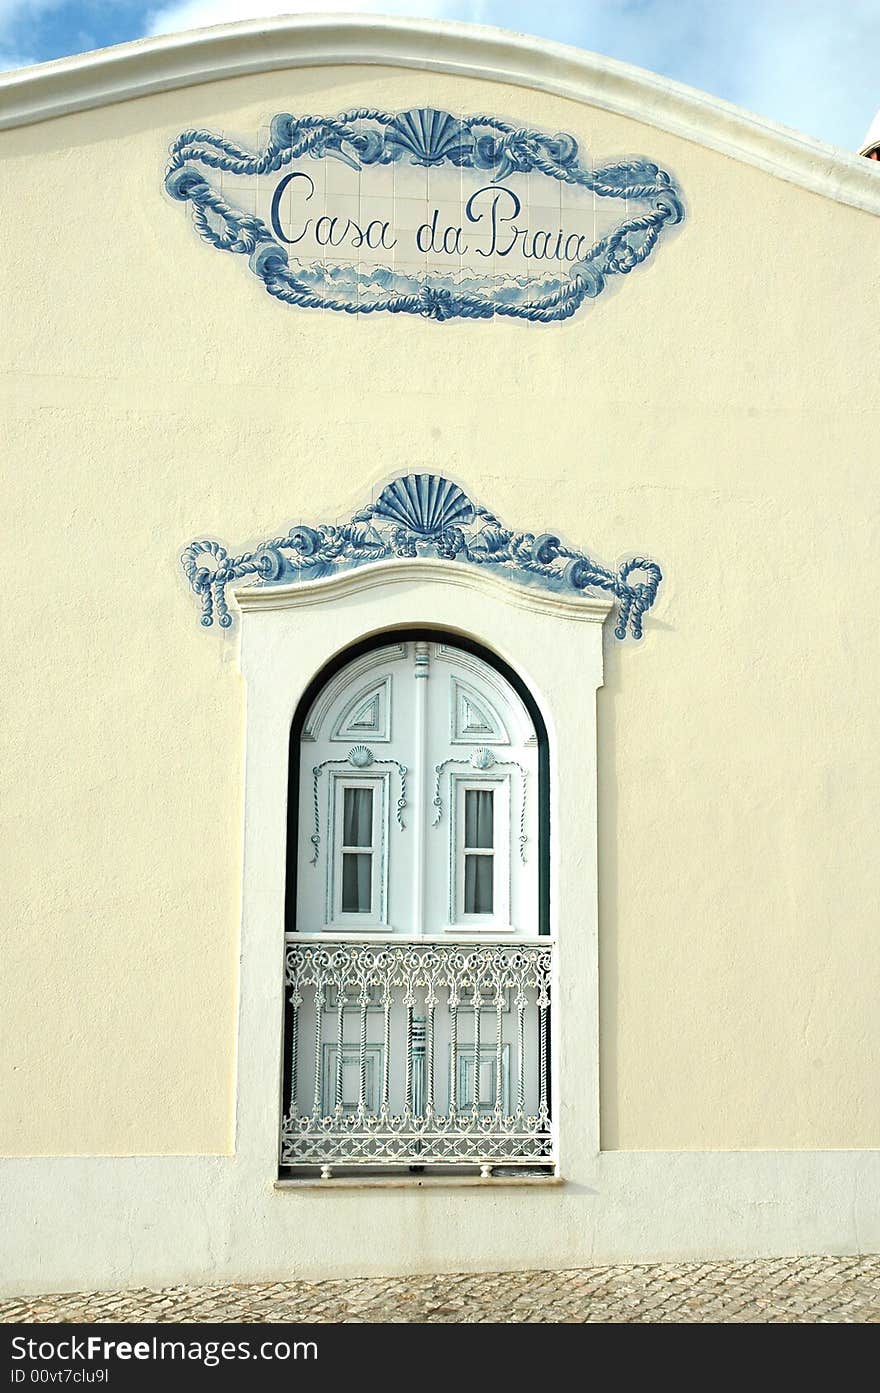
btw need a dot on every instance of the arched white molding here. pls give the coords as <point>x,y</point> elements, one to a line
<point>449,654</point>
<point>302,594</point>
<point>231,50</point>
<point>288,635</point>
<point>328,694</point>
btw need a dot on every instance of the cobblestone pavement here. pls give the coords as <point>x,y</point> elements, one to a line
<point>784,1289</point>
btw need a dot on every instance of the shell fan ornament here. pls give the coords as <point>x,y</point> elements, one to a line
<point>482,758</point>
<point>425,504</point>
<point>360,756</point>
<point>429,137</point>
<point>421,515</point>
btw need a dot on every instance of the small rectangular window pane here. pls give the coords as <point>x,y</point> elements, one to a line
<point>478,817</point>
<point>357,875</point>
<point>478,878</point>
<point>357,817</point>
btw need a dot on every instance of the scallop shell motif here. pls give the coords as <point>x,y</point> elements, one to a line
<point>360,756</point>
<point>430,136</point>
<point>425,504</point>
<point>482,758</point>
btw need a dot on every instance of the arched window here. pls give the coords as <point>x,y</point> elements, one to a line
<point>418,987</point>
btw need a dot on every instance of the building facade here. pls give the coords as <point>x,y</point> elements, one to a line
<point>440,697</point>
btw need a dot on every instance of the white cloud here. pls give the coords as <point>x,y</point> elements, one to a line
<point>13,11</point>
<point>14,38</point>
<point>195,14</point>
<point>10,61</point>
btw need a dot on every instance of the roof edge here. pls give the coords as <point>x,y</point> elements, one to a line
<point>167,62</point>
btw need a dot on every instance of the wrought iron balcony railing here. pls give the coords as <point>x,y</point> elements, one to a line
<point>418,1053</point>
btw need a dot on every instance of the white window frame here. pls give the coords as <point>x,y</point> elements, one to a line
<point>554,642</point>
<point>499,920</point>
<point>335,918</point>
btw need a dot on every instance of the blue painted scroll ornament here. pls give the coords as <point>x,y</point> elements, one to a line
<point>421,515</point>
<point>366,138</point>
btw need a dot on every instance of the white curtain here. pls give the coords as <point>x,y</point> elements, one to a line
<point>357,817</point>
<point>478,817</point>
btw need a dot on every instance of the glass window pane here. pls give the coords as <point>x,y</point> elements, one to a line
<point>357,817</point>
<point>478,817</point>
<point>357,875</point>
<point>478,878</point>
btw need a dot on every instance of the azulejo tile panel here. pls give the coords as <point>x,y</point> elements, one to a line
<point>429,516</point>
<point>424,212</point>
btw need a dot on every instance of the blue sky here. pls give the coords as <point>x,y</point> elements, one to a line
<point>810,64</point>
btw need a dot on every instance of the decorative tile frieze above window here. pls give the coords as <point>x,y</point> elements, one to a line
<point>421,515</point>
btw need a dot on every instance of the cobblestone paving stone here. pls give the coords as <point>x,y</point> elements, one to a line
<point>784,1289</point>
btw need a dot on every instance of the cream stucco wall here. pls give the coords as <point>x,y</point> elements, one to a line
<point>719,412</point>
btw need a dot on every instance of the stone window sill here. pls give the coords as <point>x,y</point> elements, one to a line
<point>414,1182</point>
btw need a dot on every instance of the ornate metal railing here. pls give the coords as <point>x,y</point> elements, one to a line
<point>417,1053</point>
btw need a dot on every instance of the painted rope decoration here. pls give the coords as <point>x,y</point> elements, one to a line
<point>482,759</point>
<point>357,760</point>
<point>565,268</point>
<point>420,515</point>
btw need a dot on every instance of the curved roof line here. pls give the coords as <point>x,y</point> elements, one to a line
<point>172,61</point>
